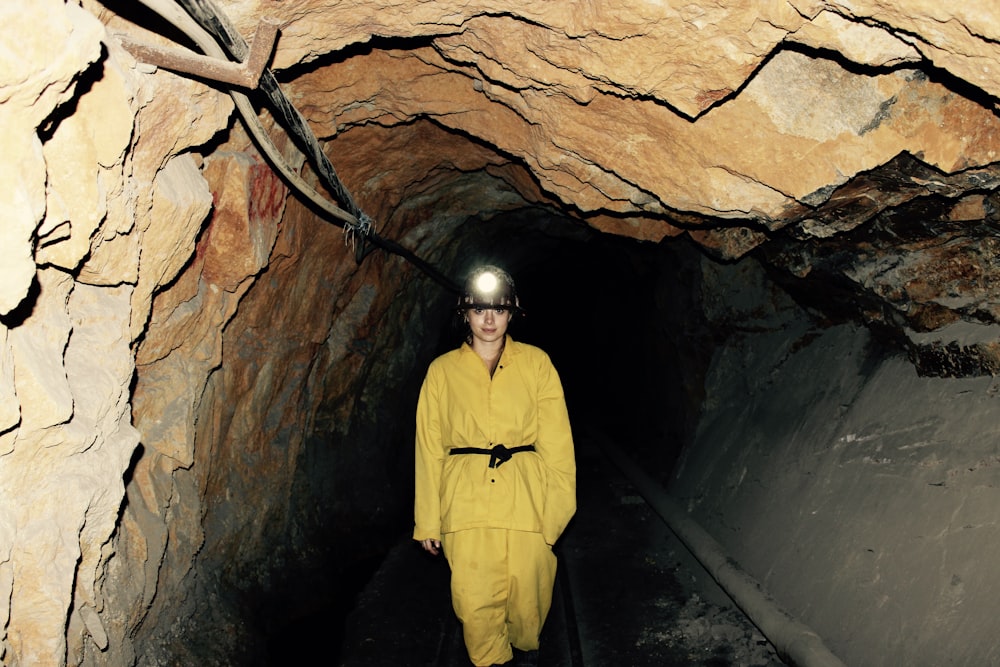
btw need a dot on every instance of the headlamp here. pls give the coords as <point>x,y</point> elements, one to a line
<point>486,283</point>
<point>489,287</point>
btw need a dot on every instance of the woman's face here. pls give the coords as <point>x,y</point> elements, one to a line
<point>488,325</point>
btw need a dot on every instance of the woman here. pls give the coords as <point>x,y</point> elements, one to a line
<point>495,474</point>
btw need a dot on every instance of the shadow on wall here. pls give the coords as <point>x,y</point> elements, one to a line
<point>861,495</point>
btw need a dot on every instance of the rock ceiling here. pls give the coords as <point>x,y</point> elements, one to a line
<point>850,146</point>
<point>844,142</point>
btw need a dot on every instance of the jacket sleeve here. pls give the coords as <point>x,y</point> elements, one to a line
<point>429,462</point>
<point>555,445</point>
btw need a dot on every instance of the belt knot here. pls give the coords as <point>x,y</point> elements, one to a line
<point>499,454</point>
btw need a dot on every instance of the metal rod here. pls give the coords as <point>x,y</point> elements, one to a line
<point>794,641</point>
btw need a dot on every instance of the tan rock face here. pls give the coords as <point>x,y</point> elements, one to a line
<point>148,253</point>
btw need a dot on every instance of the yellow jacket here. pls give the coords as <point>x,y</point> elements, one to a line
<point>522,404</point>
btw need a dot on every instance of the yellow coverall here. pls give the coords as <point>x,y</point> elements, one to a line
<point>498,524</point>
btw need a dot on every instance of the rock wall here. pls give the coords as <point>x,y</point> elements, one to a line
<point>103,204</point>
<point>181,340</point>
<point>861,495</point>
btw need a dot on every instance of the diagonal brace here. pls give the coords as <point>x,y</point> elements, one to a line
<point>177,59</point>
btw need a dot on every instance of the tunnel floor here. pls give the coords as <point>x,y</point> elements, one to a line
<point>628,594</point>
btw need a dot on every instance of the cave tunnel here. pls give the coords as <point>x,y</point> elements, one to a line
<point>597,303</point>
<point>759,244</point>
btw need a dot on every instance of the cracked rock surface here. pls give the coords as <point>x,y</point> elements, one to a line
<point>194,367</point>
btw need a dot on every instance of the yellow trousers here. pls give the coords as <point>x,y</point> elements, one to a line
<point>501,589</point>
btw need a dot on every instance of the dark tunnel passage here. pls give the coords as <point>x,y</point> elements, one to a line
<point>617,316</point>
<point>769,416</point>
<point>713,377</point>
<point>623,323</point>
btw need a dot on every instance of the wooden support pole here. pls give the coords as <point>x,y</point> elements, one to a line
<point>177,59</point>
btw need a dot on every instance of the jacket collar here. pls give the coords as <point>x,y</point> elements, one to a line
<point>510,349</point>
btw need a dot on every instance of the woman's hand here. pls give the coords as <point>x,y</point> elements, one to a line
<point>432,547</point>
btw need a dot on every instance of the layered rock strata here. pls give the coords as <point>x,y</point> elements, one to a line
<point>147,248</point>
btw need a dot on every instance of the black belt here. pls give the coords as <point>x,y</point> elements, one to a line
<point>498,453</point>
